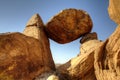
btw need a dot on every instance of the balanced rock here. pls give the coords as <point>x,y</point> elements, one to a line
<point>114,10</point>
<point>68,25</point>
<point>25,57</point>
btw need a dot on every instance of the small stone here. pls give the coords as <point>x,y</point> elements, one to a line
<point>53,77</point>
<point>87,37</point>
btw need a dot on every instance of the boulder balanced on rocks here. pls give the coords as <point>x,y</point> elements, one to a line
<point>68,25</point>
<point>25,56</point>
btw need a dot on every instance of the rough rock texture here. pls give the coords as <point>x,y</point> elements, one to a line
<point>23,57</point>
<point>69,25</point>
<point>88,37</point>
<point>107,59</point>
<point>33,27</point>
<point>102,62</point>
<point>82,66</point>
<point>114,10</point>
<point>89,43</point>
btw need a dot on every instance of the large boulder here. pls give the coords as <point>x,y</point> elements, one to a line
<point>68,25</point>
<point>25,56</point>
<point>114,10</point>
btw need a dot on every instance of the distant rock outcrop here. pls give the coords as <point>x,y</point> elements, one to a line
<point>25,56</point>
<point>69,25</point>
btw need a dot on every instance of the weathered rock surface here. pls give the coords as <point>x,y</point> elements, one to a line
<point>114,10</point>
<point>68,25</point>
<point>101,63</point>
<point>25,57</point>
<point>101,60</point>
<point>89,43</point>
<point>33,27</point>
<point>88,37</point>
<point>82,66</point>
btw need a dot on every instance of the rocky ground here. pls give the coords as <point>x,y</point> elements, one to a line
<point>27,55</point>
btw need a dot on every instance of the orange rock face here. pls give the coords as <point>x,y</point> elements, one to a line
<point>69,25</point>
<point>25,56</point>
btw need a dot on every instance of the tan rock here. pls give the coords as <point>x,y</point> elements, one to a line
<point>79,68</point>
<point>101,63</point>
<point>69,25</point>
<point>107,60</point>
<point>114,10</point>
<point>88,37</point>
<point>89,46</point>
<point>33,27</point>
<point>25,57</point>
<point>89,43</point>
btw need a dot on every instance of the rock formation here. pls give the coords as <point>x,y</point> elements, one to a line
<point>100,63</point>
<point>114,10</point>
<point>35,29</point>
<point>82,66</point>
<point>89,43</point>
<point>99,60</point>
<point>25,56</point>
<point>69,25</point>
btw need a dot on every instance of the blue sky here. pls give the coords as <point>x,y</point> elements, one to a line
<point>14,15</point>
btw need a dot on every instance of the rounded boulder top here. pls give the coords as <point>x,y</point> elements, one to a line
<point>68,25</point>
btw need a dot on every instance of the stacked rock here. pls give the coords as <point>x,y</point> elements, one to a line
<point>68,25</point>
